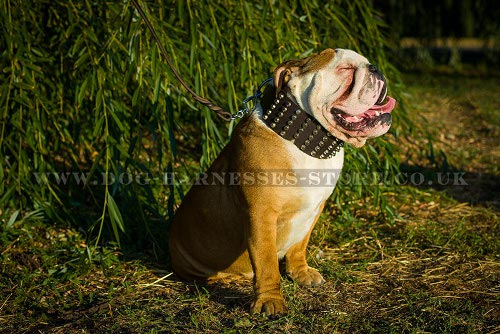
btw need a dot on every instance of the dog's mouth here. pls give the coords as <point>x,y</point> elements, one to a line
<point>379,114</point>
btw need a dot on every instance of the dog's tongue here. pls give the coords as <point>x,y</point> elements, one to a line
<point>384,108</point>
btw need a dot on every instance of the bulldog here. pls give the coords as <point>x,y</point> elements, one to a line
<point>237,221</point>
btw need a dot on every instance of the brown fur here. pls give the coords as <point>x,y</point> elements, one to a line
<point>241,240</point>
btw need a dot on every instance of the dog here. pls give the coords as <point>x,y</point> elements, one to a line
<point>237,221</point>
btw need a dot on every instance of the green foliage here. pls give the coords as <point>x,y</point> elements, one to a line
<point>93,125</point>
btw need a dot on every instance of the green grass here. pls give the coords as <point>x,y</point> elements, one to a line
<point>435,272</point>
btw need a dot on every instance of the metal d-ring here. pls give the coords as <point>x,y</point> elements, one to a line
<point>250,103</point>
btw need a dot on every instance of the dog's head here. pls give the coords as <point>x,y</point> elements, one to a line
<point>342,90</point>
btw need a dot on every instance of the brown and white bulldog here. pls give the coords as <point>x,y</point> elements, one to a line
<point>238,221</point>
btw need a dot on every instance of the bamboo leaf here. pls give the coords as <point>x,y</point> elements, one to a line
<point>12,219</point>
<point>115,218</point>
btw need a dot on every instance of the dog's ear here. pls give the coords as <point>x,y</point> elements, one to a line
<point>282,74</point>
<point>281,77</point>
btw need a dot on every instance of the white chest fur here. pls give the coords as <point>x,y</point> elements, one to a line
<point>316,180</point>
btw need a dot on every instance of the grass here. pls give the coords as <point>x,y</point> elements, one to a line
<point>433,269</point>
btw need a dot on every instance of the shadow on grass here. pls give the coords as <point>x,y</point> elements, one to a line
<point>473,188</point>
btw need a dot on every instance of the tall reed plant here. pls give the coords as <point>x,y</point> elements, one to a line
<point>96,132</point>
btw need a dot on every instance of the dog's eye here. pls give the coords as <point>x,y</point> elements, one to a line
<point>345,69</point>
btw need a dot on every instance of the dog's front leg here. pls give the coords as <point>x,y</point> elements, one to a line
<point>296,264</point>
<point>264,259</point>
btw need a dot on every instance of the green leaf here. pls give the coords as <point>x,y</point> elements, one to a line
<point>115,217</point>
<point>12,219</point>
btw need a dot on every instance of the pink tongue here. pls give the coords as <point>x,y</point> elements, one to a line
<point>386,108</point>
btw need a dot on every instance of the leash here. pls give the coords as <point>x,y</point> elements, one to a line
<point>227,116</point>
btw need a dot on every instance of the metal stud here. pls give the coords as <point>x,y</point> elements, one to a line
<point>296,136</point>
<point>301,130</point>
<point>280,114</point>
<point>273,106</point>
<point>294,117</point>
<point>313,153</point>
<point>316,148</point>
<point>307,142</point>
<point>311,137</point>
<point>303,147</point>
<point>282,133</point>
<point>286,127</point>
<point>269,112</point>
<point>318,126</point>
<point>315,131</point>
<point>281,95</point>
<point>277,119</point>
<point>265,117</point>
<point>277,101</point>
<point>288,104</point>
<point>321,143</point>
<point>322,156</point>
<point>273,125</point>
<point>298,111</point>
<point>324,138</point>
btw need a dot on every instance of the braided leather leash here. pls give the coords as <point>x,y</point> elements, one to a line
<point>227,116</point>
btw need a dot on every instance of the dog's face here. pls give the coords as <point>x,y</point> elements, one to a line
<point>343,91</point>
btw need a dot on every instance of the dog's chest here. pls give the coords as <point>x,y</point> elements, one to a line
<point>316,180</point>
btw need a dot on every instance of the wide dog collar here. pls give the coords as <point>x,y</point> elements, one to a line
<point>282,115</point>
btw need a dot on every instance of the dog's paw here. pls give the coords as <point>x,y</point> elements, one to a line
<point>307,277</point>
<point>272,306</point>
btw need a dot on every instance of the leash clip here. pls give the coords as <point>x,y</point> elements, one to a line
<point>250,103</point>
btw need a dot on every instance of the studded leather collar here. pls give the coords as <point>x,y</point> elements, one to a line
<point>282,115</point>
